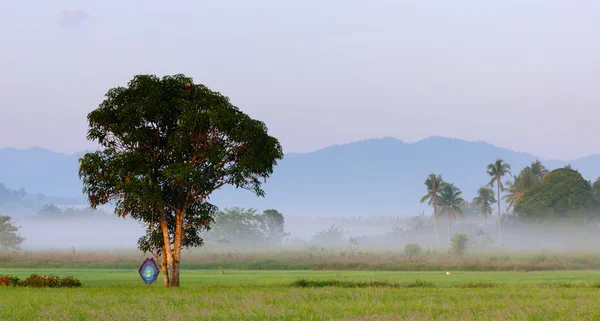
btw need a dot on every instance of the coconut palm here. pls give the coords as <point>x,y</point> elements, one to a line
<point>538,169</point>
<point>434,184</point>
<point>449,200</point>
<point>523,183</point>
<point>484,200</point>
<point>497,170</point>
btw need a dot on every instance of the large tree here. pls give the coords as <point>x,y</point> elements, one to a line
<point>563,194</point>
<point>10,239</point>
<point>484,200</point>
<point>434,185</point>
<point>497,170</point>
<point>238,226</point>
<point>273,224</point>
<point>166,145</point>
<point>450,200</point>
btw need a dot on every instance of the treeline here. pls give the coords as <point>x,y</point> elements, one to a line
<point>533,195</point>
<point>245,227</point>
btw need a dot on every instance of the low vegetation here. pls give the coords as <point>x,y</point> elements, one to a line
<point>41,281</point>
<point>315,259</point>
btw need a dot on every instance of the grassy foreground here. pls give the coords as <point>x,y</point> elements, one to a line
<point>311,295</point>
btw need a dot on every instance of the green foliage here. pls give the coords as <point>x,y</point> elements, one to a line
<point>412,250</point>
<point>496,171</point>
<point>538,169</point>
<point>237,225</point>
<point>458,244</point>
<point>419,224</point>
<point>9,235</point>
<point>523,183</point>
<point>596,191</point>
<point>434,184</point>
<point>246,228</point>
<point>272,225</point>
<point>332,235</point>
<point>484,200</point>
<point>50,210</point>
<point>450,201</point>
<point>563,193</point>
<point>41,281</point>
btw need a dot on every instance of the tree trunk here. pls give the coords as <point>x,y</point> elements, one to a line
<point>163,266</point>
<point>499,226</point>
<point>167,255</point>
<point>435,219</point>
<point>449,239</point>
<point>174,276</point>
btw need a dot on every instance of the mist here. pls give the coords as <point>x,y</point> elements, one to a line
<point>107,232</point>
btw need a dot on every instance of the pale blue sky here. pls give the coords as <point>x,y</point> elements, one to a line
<point>519,74</point>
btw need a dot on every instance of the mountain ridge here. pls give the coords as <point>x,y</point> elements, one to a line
<point>369,177</point>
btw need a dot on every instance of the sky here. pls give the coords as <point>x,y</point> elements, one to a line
<point>519,74</point>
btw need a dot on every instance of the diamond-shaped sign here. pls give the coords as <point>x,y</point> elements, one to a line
<point>149,271</point>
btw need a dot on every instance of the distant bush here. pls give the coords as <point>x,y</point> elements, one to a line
<point>459,244</point>
<point>412,250</point>
<point>41,281</point>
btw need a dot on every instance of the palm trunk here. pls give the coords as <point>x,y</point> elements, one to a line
<point>435,219</point>
<point>449,240</point>
<point>499,224</point>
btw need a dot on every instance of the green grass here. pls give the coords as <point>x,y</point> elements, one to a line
<point>310,295</point>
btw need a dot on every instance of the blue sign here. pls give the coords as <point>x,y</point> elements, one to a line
<point>149,271</point>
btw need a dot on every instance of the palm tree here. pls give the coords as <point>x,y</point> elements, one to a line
<point>496,170</point>
<point>434,184</point>
<point>449,200</point>
<point>484,200</point>
<point>538,169</point>
<point>523,183</point>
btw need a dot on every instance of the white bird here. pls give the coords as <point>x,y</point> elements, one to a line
<point>447,273</point>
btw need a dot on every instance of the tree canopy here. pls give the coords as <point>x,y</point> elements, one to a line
<point>562,193</point>
<point>9,235</point>
<point>167,145</point>
<point>484,200</point>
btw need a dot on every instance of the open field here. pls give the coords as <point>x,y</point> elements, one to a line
<point>114,294</point>
<point>313,259</point>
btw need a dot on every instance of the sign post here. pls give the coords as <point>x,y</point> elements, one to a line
<point>149,271</point>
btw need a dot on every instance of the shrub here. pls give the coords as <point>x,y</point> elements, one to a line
<point>41,281</point>
<point>412,250</point>
<point>459,244</point>
<point>7,280</point>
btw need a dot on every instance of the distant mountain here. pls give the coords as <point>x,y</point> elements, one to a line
<point>20,202</point>
<point>40,171</point>
<point>370,177</point>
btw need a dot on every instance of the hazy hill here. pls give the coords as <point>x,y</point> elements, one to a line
<point>375,176</point>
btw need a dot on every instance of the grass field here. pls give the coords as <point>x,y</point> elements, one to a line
<point>113,294</point>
